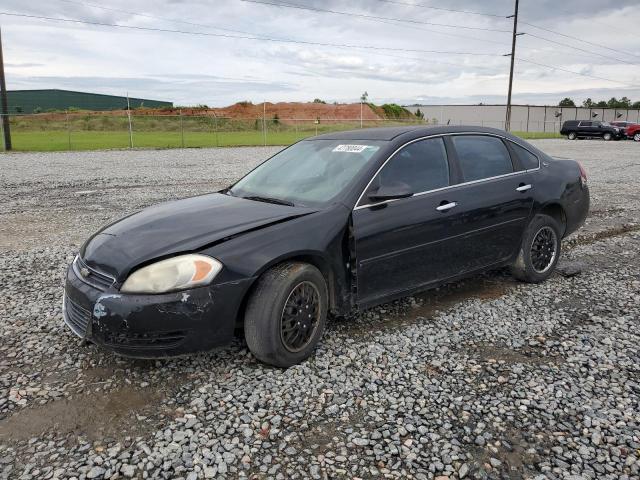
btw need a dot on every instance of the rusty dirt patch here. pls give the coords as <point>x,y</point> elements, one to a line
<point>95,415</point>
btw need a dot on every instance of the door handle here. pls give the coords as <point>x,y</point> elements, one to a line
<point>524,188</point>
<point>446,206</point>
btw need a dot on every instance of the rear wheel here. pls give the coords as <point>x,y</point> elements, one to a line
<point>572,136</point>
<point>607,136</point>
<point>286,314</point>
<point>540,250</point>
<point>636,137</point>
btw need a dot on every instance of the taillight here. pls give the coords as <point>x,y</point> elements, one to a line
<point>583,174</point>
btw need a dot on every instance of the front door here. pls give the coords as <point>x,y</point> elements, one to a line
<point>400,243</point>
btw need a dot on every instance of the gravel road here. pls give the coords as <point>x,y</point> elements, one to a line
<point>485,378</point>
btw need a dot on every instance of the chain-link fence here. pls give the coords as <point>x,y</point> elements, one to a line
<point>532,119</point>
<point>88,131</point>
<point>517,126</point>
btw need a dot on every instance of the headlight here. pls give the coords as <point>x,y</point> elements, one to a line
<point>177,273</point>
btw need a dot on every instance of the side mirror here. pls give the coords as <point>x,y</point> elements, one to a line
<point>391,192</point>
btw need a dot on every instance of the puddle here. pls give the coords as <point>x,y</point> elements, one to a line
<point>94,415</point>
<point>509,356</point>
<point>512,450</point>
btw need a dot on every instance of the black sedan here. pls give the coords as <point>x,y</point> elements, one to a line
<point>332,224</point>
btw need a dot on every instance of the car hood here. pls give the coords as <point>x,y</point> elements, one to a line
<point>179,226</point>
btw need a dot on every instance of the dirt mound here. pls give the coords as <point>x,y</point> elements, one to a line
<point>248,110</point>
<point>297,110</point>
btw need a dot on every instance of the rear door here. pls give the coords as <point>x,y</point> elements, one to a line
<point>585,129</point>
<point>493,202</point>
<point>597,129</point>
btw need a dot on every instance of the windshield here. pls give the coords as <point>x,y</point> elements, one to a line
<point>309,173</point>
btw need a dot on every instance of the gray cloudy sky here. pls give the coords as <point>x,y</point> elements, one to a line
<point>191,69</point>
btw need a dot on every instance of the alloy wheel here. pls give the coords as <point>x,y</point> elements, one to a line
<point>544,249</point>
<point>300,317</point>
<point>636,137</point>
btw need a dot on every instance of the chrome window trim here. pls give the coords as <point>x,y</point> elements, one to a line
<point>534,154</point>
<point>359,207</point>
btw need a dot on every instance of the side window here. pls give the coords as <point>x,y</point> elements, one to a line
<point>421,165</point>
<point>585,124</point>
<point>482,157</point>
<point>529,160</point>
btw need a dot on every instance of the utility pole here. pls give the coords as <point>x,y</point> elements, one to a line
<point>130,126</point>
<point>3,101</point>
<point>507,122</point>
<point>264,122</point>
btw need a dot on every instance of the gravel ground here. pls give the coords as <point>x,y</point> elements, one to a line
<point>484,378</point>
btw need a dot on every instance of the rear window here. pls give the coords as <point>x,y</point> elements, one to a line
<point>529,160</point>
<point>482,157</point>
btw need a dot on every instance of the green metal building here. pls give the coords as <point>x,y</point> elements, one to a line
<point>37,101</point>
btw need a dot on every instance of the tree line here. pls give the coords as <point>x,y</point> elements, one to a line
<point>613,102</point>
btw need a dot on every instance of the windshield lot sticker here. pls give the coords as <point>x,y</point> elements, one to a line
<point>351,148</point>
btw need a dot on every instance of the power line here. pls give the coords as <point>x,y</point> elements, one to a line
<point>578,48</point>
<point>302,42</point>
<point>448,34</point>
<point>616,28</point>
<point>174,20</point>
<point>452,10</point>
<point>215,27</point>
<point>617,50</point>
<point>370,17</point>
<point>246,37</point>
<point>155,17</point>
<point>554,67</point>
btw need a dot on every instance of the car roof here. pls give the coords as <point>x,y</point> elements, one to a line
<point>406,132</point>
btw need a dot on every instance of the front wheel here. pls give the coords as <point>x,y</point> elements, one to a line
<point>572,136</point>
<point>636,137</point>
<point>539,252</point>
<point>286,314</point>
<point>607,137</point>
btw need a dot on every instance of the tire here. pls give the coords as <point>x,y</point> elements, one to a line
<point>636,137</point>
<point>532,268</point>
<point>273,304</point>
<point>572,136</point>
<point>607,136</point>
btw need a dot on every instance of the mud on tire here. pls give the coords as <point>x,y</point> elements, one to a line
<point>539,251</point>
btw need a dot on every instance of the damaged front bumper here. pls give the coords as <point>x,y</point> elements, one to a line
<point>153,326</point>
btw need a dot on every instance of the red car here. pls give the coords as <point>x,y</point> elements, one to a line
<point>633,131</point>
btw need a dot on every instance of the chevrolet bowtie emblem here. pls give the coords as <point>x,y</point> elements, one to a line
<point>84,272</point>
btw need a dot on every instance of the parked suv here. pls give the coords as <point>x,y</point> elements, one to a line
<point>589,129</point>
<point>633,131</point>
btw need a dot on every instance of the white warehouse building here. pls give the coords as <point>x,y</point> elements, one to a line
<point>524,118</point>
